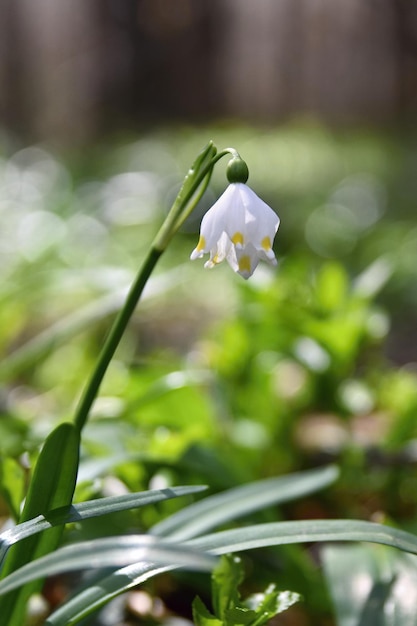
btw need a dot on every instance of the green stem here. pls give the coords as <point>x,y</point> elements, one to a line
<point>114,337</point>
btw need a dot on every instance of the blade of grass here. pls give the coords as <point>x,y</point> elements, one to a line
<point>108,552</point>
<point>280,533</point>
<point>257,536</point>
<point>86,510</point>
<point>233,503</point>
<point>52,486</point>
<point>194,519</point>
<point>89,599</point>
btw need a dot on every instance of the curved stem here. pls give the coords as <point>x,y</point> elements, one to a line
<point>114,337</point>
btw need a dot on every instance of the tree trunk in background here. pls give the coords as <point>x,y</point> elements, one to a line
<point>11,109</point>
<point>58,81</point>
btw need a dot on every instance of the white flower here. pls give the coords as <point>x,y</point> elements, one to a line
<point>240,228</point>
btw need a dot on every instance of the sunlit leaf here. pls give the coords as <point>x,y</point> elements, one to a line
<point>107,552</point>
<point>92,508</point>
<point>239,501</point>
<point>261,535</point>
<point>281,533</point>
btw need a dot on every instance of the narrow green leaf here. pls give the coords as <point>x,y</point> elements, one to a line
<point>191,520</point>
<point>108,552</point>
<point>281,533</point>
<point>86,510</point>
<point>89,599</point>
<point>202,160</point>
<point>205,156</point>
<point>52,486</point>
<point>261,535</point>
<point>233,503</point>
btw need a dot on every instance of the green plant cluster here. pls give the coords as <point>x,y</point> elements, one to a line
<point>216,382</point>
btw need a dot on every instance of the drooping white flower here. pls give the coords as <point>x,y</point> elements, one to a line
<point>239,227</point>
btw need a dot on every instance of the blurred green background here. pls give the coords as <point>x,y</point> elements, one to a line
<point>103,107</point>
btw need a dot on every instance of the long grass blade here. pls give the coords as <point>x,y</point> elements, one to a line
<point>108,552</point>
<point>191,521</point>
<point>257,536</point>
<point>280,533</point>
<point>239,501</point>
<point>86,510</point>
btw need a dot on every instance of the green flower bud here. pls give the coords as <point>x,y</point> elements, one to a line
<point>237,171</point>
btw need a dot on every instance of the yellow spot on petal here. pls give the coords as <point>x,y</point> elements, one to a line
<point>237,238</point>
<point>201,244</point>
<point>266,243</point>
<point>244,264</point>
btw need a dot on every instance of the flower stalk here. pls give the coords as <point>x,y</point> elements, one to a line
<point>113,338</point>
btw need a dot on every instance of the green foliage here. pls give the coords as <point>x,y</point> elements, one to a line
<point>216,381</point>
<point>143,557</point>
<point>228,608</point>
<point>86,510</point>
<point>52,486</point>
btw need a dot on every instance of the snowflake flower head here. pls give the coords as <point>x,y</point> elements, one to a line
<point>239,227</point>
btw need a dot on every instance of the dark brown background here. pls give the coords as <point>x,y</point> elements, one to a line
<point>72,69</point>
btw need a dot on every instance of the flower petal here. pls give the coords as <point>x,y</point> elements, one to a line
<point>219,252</point>
<point>213,223</point>
<point>235,223</point>
<point>261,221</point>
<point>200,249</point>
<point>247,261</point>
